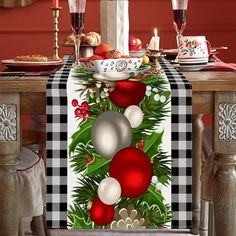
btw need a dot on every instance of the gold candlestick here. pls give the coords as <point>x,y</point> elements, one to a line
<point>55,14</point>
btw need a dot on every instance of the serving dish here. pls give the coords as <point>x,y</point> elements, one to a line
<point>50,65</point>
<point>113,65</point>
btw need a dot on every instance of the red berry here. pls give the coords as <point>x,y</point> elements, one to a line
<point>84,106</point>
<point>74,102</point>
<point>141,144</point>
<point>78,112</point>
<point>86,114</point>
<point>88,160</point>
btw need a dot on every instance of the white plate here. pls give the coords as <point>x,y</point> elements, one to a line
<point>191,67</point>
<point>111,76</point>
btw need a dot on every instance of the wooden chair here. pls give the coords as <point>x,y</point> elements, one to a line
<point>34,145</point>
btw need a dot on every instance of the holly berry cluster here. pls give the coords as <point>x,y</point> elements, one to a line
<point>82,110</point>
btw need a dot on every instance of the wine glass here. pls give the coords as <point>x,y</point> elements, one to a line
<point>77,10</point>
<point>180,11</point>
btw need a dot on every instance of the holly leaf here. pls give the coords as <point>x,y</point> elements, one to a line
<point>153,197</point>
<point>79,222</point>
<point>152,143</point>
<point>83,135</point>
<point>99,164</point>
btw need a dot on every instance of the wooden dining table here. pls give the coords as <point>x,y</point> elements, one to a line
<point>213,93</point>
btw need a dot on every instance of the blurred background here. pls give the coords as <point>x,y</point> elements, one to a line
<point>28,30</point>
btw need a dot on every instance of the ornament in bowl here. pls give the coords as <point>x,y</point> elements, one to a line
<point>135,47</point>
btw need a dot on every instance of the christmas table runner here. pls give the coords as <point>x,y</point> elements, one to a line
<point>118,150</point>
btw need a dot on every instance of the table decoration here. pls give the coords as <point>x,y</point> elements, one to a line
<point>55,13</point>
<point>114,18</point>
<point>107,126</point>
<point>154,43</point>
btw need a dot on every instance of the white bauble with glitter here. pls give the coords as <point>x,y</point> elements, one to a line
<point>134,115</point>
<point>109,191</point>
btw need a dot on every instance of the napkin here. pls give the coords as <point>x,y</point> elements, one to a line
<point>219,65</point>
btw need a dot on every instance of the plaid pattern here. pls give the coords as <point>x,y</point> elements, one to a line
<point>56,111</point>
<point>57,147</point>
<point>181,150</point>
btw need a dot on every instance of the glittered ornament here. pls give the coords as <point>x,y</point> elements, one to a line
<point>127,93</point>
<point>109,191</point>
<point>100,213</point>
<point>111,132</point>
<point>135,115</point>
<point>133,170</point>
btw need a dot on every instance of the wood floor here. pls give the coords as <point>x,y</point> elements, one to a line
<point>164,232</point>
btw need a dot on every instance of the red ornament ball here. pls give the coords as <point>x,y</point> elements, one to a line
<point>133,170</point>
<point>74,103</point>
<point>100,213</point>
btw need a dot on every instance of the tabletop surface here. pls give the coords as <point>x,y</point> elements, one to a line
<point>201,81</point>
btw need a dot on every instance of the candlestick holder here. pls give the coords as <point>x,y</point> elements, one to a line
<point>55,14</point>
<point>154,55</point>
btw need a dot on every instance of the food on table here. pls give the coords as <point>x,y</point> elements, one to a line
<point>31,58</point>
<point>125,56</point>
<point>90,38</point>
<point>135,44</point>
<point>146,59</point>
<point>95,58</point>
<point>113,54</point>
<point>102,49</point>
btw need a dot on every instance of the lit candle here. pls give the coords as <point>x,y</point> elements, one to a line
<point>55,3</point>
<point>154,42</point>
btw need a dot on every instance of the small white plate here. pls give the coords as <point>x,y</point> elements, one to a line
<point>192,67</point>
<point>111,76</point>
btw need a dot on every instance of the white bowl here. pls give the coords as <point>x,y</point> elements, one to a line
<point>113,65</point>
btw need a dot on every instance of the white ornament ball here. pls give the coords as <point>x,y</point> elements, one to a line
<point>111,132</point>
<point>109,191</point>
<point>134,115</point>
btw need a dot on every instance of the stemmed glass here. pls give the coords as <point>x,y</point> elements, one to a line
<point>180,12</point>
<point>77,10</point>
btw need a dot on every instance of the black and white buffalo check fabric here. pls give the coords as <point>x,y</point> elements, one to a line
<point>57,147</point>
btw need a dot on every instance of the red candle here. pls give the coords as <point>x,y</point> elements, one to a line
<point>55,3</point>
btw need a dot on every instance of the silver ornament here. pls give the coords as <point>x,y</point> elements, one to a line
<point>134,115</point>
<point>111,132</point>
<point>109,191</point>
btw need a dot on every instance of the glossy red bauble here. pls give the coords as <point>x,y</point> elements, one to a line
<point>127,93</point>
<point>100,213</point>
<point>133,170</point>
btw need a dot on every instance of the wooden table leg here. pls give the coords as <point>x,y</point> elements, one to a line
<point>224,195</point>
<point>224,187</point>
<point>9,149</point>
<point>196,171</point>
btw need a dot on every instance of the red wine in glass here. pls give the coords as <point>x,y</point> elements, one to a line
<point>180,20</point>
<point>77,10</point>
<point>179,8</point>
<point>77,22</point>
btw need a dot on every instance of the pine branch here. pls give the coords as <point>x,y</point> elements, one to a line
<point>86,189</point>
<point>161,167</point>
